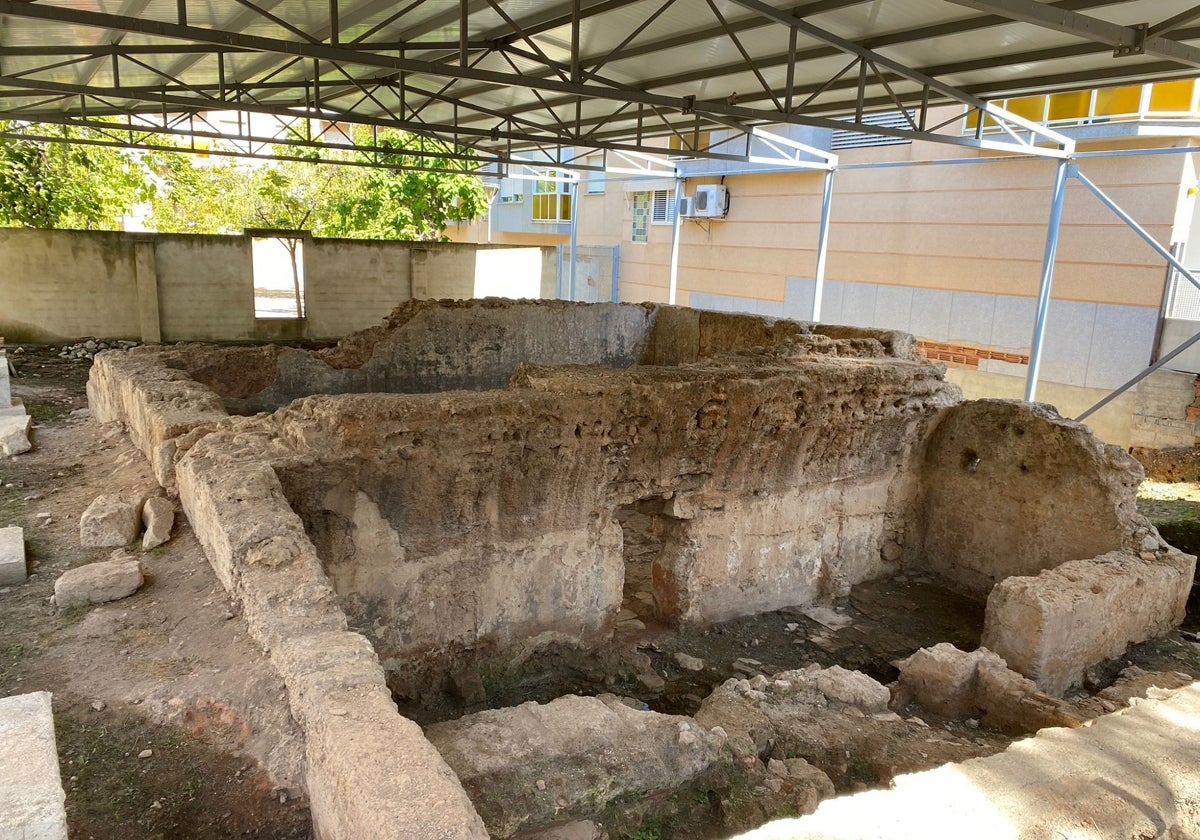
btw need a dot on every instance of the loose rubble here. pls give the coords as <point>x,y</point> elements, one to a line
<point>87,348</point>
<point>534,764</point>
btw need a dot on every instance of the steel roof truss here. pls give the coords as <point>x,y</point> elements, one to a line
<point>1127,40</point>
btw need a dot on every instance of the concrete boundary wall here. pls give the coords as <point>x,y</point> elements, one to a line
<point>60,285</point>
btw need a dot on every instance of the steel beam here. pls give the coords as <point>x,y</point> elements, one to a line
<point>676,229</point>
<point>822,245</point>
<point>1127,40</point>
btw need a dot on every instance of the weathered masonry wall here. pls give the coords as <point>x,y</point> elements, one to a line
<point>383,541</point>
<point>58,285</point>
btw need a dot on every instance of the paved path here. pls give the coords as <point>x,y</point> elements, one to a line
<point>1131,774</point>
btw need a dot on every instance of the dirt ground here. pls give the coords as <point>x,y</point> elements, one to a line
<point>171,669</point>
<point>168,670</point>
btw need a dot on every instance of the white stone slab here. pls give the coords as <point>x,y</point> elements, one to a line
<point>14,434</point>
<point>12,556</point>
<point>32,802</point>
<point>5,387</point>
<point>17,409</point>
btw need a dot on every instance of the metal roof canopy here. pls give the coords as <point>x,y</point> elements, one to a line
<point>510,79</point>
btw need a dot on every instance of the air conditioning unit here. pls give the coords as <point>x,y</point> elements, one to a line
<point>711,201</point>
<point>687,207</point>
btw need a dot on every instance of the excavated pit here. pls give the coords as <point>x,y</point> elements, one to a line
<point>485,502</point>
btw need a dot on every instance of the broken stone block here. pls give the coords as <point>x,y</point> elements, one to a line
<point>853,688</point>
<point>14,434</point>
<point>956,685</point>
<point>158,515</point>
<point>1054,626</point>
<point>689,663</point>
<point>576,830</point>
<point>111,520</point>
<point>942,679</point>
<point>12,556</point>
<point>32,801</point>
<point>97,583</point>
<point>586,752</point>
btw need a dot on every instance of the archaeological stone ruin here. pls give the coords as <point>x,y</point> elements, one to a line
<point>439,499</point>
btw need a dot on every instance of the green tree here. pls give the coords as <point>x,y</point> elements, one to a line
<point>206,198</point>
<point>413,202</point>
<point>47,184</point>
<point>325,199</point>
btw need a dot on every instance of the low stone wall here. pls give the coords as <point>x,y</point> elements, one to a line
<point>1011,489</point>
<point>1053,626</point>
<point>370,772</point>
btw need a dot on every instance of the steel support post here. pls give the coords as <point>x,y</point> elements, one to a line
<point>822,246</point>
<point>574,235</point>
<point>673,283</point>
<point>1043,305</point>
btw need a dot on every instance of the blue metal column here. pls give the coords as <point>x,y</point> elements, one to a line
<point>822,246</point>
<point>574,234</point>
<point>673,281</point>
<point>1043,306</point>
<point>616,273</point>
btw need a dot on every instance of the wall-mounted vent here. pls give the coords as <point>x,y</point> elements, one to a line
<point>846,139</point>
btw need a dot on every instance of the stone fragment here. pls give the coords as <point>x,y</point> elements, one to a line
<point>467,684</point>
<point>853,688</point>
<point>689,663</point>
<point>158,515</point>
<point>112,519</point>
<point>32,801</point>
<point>14,434</point>
<point>588,751</point>
<point>12,556</point>
<point>5,387</point>
<point>652,681</point>
<point>577,830</point>
<point>955,684</point>
<point>941,679</point>
<point>97,583</point>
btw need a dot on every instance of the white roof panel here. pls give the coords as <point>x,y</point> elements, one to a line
<point>525,73</point>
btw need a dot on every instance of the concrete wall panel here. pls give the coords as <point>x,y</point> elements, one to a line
<point>205,287</point>
<point>61,285</point>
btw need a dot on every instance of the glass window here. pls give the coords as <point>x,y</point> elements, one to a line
<point>641,217</point>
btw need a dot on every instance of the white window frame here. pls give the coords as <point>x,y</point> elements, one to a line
<point>595,180</point>
<point>662,207</point>
<point>512,191</point>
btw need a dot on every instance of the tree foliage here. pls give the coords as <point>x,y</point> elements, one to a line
<point>322,198</point>
<point>413,202</point>
<point>67,185</point>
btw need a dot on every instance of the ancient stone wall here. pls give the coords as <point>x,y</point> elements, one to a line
<point>1012,488</point>
<point>780,464</point>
